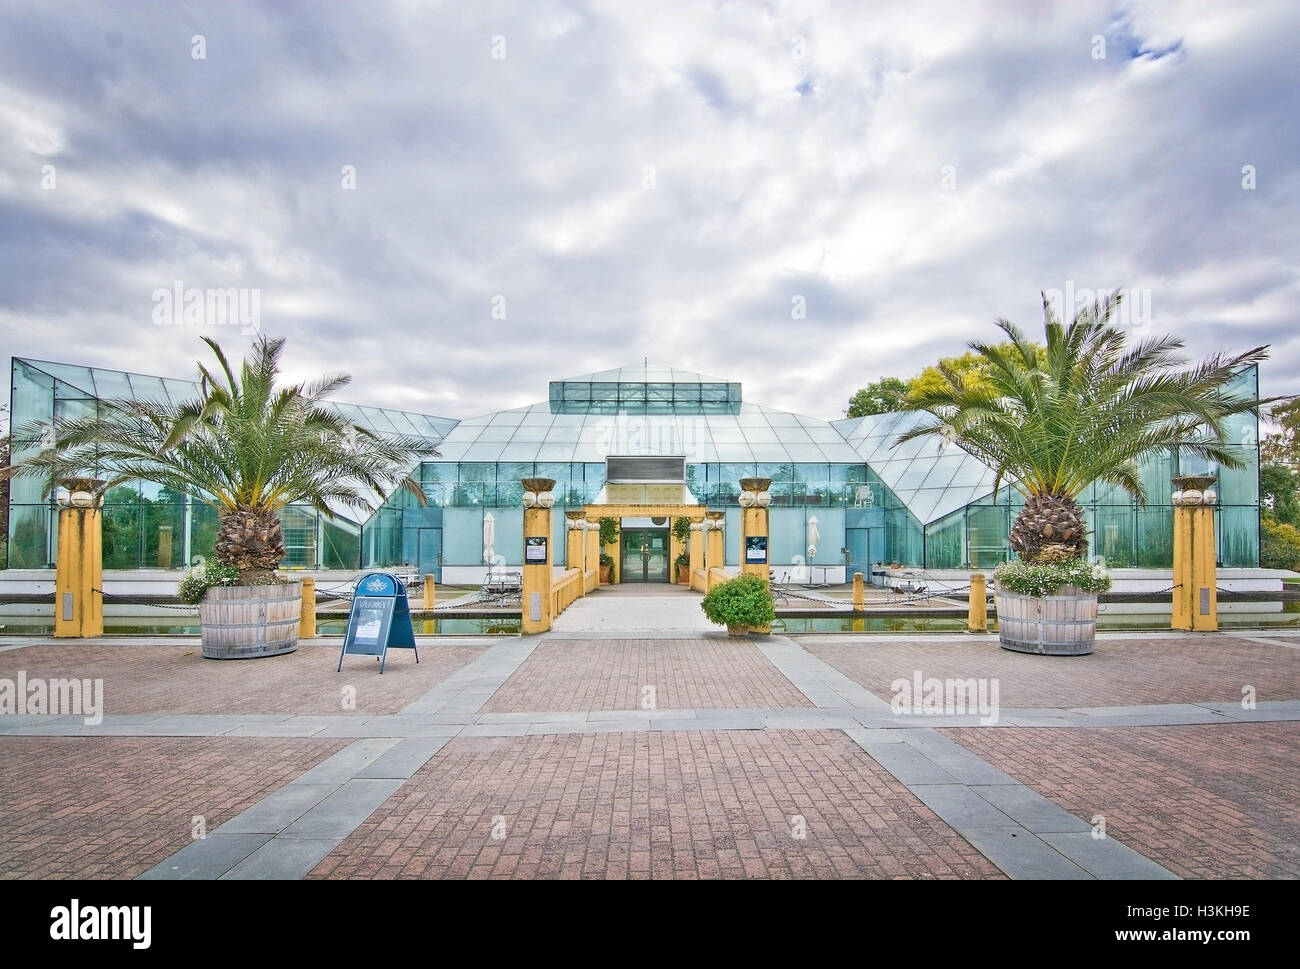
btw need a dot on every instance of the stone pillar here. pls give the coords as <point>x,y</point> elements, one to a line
<point>574,535</point>
<point>307,617</point>
<point>1195,596</point>
<point>79,566</point>
<point>696,550</point>
<point>715,556</point>
<point>977,618</point>
<point>754,499</point>
<point>537,568</point>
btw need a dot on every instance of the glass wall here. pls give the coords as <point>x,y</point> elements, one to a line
<point>920,504</point>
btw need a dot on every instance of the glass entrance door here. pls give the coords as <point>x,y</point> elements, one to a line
<point>645,555</point>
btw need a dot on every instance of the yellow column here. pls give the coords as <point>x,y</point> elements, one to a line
<point>79,569</point>
<point>307,614</point>
<point>536,605</point>
<point>977,619</point>
<point>859,592</point>
<point>592,560</point>
<point>753,524</point>
<point>1182,595</point>
<point>1195,596</point>
<point>696,550</point>
<point>574,546</point>
<point>430,592</point>
<point>1205,606</point>
<point>714,554</point>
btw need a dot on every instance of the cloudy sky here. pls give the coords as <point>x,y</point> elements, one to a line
<point>801,196</point>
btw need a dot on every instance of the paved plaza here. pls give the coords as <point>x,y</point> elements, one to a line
<point>611,749</point>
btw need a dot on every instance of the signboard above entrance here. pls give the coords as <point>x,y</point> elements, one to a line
<point>645,494</point>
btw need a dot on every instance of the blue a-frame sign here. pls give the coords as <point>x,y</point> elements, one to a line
<point>380,618</point>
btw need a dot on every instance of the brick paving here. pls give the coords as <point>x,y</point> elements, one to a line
<point>112,807</point>
<point>177,679</point>
<point>1215,801</point>
<point>612,674</point>
<point>662,805</point>
<point>1121,671</point>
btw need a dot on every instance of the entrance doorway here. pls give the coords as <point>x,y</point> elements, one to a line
<point>644,555</point>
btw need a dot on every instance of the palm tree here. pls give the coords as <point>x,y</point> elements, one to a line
<point>1087,411</point>
<point>244,447</point>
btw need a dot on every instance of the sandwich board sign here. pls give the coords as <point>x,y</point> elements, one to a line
<point>380,619</point>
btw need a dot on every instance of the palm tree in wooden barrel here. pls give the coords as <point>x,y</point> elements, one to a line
<point>1087,410</point>
<point>248,448</point>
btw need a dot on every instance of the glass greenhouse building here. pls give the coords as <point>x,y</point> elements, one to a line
<point>845,496</point>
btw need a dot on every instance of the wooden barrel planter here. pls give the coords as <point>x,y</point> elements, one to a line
<point>246,622</point>
<point>1060,625</point>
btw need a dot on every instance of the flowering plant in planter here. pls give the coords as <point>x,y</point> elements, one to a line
<point>1048,578</point>
<point>198,580</point>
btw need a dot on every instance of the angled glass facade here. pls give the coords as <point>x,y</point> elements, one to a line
<point>925,504</point>
<point>145,526</point>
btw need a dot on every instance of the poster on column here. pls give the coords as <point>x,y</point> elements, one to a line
<point>756,549</point>
<point>535,550</point>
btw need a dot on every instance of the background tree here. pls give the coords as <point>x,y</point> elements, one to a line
<point>1087,409</point>
<point>890,394</point>
<point>880,397</point>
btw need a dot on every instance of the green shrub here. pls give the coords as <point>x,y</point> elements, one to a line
<point>1044,579</point>
<point>743,601</point>
<point>1279,546</point>
<point>203,577</point>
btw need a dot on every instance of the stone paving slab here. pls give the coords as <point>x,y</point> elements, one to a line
<point>277,811</point>
<point>1024,858</point>
<point>338,814</point>
<point>281,859</point>
<point>207,859</point>
<point>1106,857</point>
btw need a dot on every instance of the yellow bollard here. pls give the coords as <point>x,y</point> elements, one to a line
<point>859,592</point>
<point>977,621</point>
<point>307,617</point>
<point>430,594</point>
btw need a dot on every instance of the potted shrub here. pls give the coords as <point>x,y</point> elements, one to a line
<point>682,532</point>
<point>741,604</point>
<point>1049,607</point>
<point>683,563</point>
<point>608,537</point>
<point>1053,419</point>
<point>248,448</point>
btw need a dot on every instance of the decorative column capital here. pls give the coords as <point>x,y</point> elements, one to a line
<point>537,492</point>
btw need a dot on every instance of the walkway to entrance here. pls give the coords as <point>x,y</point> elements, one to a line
<point>636,607</point>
